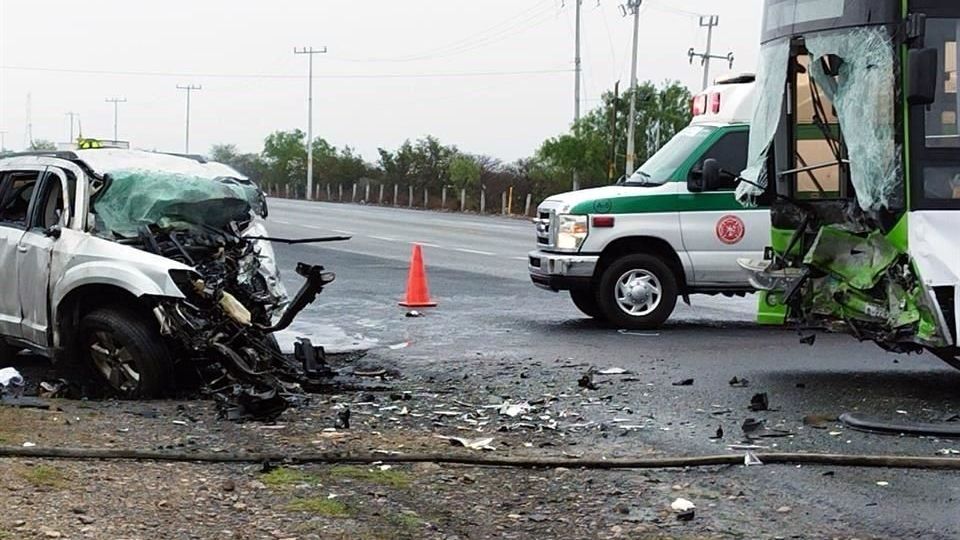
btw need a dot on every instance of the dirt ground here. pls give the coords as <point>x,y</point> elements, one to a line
<point>147,500</point>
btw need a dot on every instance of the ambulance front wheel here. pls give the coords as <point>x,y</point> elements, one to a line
<point>637,292</point>
<point>586,302</point>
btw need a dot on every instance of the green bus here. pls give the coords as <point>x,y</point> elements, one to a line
<point>855,145</point>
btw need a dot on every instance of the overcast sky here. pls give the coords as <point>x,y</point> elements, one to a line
<point>490,76</point>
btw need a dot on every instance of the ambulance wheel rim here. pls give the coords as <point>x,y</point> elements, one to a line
<point>638,292</point>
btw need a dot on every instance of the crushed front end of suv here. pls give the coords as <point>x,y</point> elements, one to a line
<point>147,268</point>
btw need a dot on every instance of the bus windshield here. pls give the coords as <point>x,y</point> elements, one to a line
<point>660,167</point>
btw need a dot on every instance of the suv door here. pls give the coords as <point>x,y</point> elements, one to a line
<point>715,228</point>
<point>16,191</point>
<point>49,213</point>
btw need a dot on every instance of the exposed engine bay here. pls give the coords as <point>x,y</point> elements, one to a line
<point>233,298</point>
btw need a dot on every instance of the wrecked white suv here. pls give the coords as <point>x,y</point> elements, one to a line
<point>132,262</point>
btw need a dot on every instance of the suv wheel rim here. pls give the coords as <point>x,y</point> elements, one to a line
<point>113,361</point>
<point>638,292</point>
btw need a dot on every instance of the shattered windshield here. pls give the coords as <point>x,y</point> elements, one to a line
<point>855,70</point>
<point>771,82</point>
<point>863,94</point>
<point>136,198</point>
<point>661,166</point>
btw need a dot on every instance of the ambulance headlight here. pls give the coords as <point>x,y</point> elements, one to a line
<point>571,232</point>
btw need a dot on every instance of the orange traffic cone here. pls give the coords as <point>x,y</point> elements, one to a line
<point>418,294</point>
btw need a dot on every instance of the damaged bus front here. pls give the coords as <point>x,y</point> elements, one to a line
<point>854,143</point>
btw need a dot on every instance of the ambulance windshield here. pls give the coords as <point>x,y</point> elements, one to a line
<point>662,165</point>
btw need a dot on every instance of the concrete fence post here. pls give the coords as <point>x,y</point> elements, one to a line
<point>463,200</point>
<point>366,193</point>
<point>339,192</point>
<point>443,198</point>
<point>426,198</point>
<point>396,189</point>
<point>503,203</point>
<point>353,195</point>
<point>380,199</point>
<point>410,197</point>
<point>329,198</point>
<point>526,206</point>
<point>483,200</point>
<point>286,188</point>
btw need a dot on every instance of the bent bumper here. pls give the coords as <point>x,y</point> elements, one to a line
<point>561,272</point>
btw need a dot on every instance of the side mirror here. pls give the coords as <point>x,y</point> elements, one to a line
<point>710,175</point>
<point>922,76</point>
<point>695,181</point>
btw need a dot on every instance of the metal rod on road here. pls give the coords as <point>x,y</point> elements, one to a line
<point>189,89</point>
<point>310,51</point>
<point>632,7</point>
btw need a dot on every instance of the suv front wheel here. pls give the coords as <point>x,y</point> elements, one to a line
<point>126,351</point>
<point>637,292</point>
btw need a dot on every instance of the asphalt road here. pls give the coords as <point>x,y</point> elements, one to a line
<point>489,313</point>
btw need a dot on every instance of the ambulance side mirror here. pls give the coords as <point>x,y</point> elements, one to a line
<point>710,175</point>
<point>922,76</point>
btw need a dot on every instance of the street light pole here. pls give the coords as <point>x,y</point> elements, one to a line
<point>116,102</point>
<point>72,115</point>
<point>632,7</point>
<point>189,88</point>
<point>310,51</point>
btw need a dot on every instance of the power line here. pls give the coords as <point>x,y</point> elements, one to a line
<point>504,28</point>
<point>288,77</point>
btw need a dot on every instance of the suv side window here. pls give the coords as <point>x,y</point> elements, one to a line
<point>16,190</point>
<point>49,210</point>
<point>731,154</point>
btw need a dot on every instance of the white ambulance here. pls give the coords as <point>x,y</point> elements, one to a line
<point>626,252</point>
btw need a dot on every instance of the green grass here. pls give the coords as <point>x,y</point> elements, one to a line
<point>44,475</point>
<point>390,477</point>
<point>282,477</point>
<point>406,521</point>
<point>320,506</point>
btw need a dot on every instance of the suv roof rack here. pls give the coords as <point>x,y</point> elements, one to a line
<point>62,154</point>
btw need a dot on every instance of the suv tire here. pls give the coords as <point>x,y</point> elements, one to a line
<point>637,292</point>
<point>126,351</point>
<point>586,302</point>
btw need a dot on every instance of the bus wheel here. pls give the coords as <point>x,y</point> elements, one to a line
<point>638,292</point>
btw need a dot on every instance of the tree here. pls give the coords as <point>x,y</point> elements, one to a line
<point>594,150</point>
<point>464,171</point>
<point>285,156</point>
<point>42,145</point>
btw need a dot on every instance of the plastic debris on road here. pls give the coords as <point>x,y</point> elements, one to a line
<point>613,371</point>
<point>484,443</point>
<point>10,377</point>
<point>683,508</point>
<point>751,459</point>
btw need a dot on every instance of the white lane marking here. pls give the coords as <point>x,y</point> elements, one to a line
<point>474,251</point>
<point>341,231</point>
<point>384,238</point>
<point>520,258</point>
<point>428,244</point>
<point>281,222</point>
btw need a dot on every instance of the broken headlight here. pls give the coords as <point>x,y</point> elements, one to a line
<point>571,232</point>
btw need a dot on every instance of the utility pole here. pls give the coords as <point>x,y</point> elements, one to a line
<point>116,102</point>
<point>632,7</point>
<point>189,88</point>
<point>577,70</point>
<point>3,141</point>
<point>708,22</point>
<point>612,165</point>
<point>310,51</point>
<point>71,115</point>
